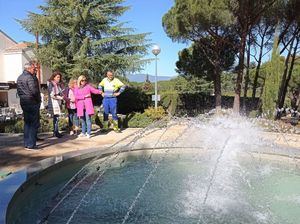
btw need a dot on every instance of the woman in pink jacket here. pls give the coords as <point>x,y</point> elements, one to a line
<point>84,104</point>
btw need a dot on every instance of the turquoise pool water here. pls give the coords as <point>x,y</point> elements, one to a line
<point>171,187</point>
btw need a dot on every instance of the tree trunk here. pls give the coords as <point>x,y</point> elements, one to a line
<point>260,103</point>
<point>255,82</point>
<point>247,75</point>
<point>239,80</point>
<point>289,74</point>
<point>217,87</point>
<point>280,100</point>
<point>295,98</point>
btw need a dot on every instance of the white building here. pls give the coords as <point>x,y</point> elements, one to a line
<point>13,56</point>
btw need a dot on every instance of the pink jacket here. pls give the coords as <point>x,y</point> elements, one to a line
<point>83,102</point>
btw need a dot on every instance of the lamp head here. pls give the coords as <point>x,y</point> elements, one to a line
<point>155,49</point>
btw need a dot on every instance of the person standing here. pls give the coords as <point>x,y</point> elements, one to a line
<point>55,98</point>
<point>41,104</point>
<point>111,87</point>
<point>84,103</point>
<point>71,107</point>
<point>30,100</point>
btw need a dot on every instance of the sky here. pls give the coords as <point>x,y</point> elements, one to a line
<point>144,16</point>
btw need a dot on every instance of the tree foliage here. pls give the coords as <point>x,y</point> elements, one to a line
<point>272,80</point>
<point>207,24</point>
<point>214,25</point>
<point>247,14</point>
<point>191,20</point>
<point>194,62</point>
<point>85,35</point>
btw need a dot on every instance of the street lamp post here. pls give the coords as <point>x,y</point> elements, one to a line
<point>155,51</point>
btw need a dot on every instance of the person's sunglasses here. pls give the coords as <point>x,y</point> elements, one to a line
<point>83,80</point>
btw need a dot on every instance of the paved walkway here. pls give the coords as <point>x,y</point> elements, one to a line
<point>13,156</point>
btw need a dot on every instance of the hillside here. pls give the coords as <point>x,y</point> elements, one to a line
<point>142,78</point>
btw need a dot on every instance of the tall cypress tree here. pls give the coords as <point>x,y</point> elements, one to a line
<point>85,36</point>
<point>272,81</point>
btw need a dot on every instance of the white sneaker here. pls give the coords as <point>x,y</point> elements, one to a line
<point>32,149</point>
<point>88,136</point>
<point>81,135</point>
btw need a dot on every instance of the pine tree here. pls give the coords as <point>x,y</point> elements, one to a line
<point>207,24</point>
<point>85,36</point>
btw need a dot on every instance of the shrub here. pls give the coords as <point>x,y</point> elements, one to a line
<point>16,127</point>
<point>46,124</point>
<point>253,114</point>
<point>155,114</point>
<point>63,123</point>
<point>133,100</point>
<point>139,120</point>
<point>170,101</point>
<point>97,119</point>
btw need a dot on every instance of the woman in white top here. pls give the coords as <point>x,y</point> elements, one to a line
<point>71,107</point>
<point>55,98</point>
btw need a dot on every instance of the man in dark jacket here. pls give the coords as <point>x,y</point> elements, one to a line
<point>30,100</point>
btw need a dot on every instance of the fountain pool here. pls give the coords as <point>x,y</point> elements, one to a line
<point>187,172</point>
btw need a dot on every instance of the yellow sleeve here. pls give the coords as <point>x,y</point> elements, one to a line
<point>101,83</point>
<point>119,83</point>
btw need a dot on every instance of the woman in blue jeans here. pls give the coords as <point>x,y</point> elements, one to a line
<point>84,104</point>
<point>55,98</point>
<point>71,107</point>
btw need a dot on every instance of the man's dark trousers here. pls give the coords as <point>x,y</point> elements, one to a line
<point>31,124</point>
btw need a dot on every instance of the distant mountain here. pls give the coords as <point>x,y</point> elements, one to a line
<point>142,78</point>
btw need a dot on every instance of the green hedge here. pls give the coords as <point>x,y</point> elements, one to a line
<point>131,100</point>
<point>135,119</point>
<point>139,120</point>
<point>46,124</point>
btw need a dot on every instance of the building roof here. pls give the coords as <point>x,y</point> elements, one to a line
<point>19,47</point>
<point>7,85</point>
<point>1,31</point>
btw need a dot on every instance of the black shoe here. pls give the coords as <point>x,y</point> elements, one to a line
<point>39,139</point>
<point>57,135</point>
